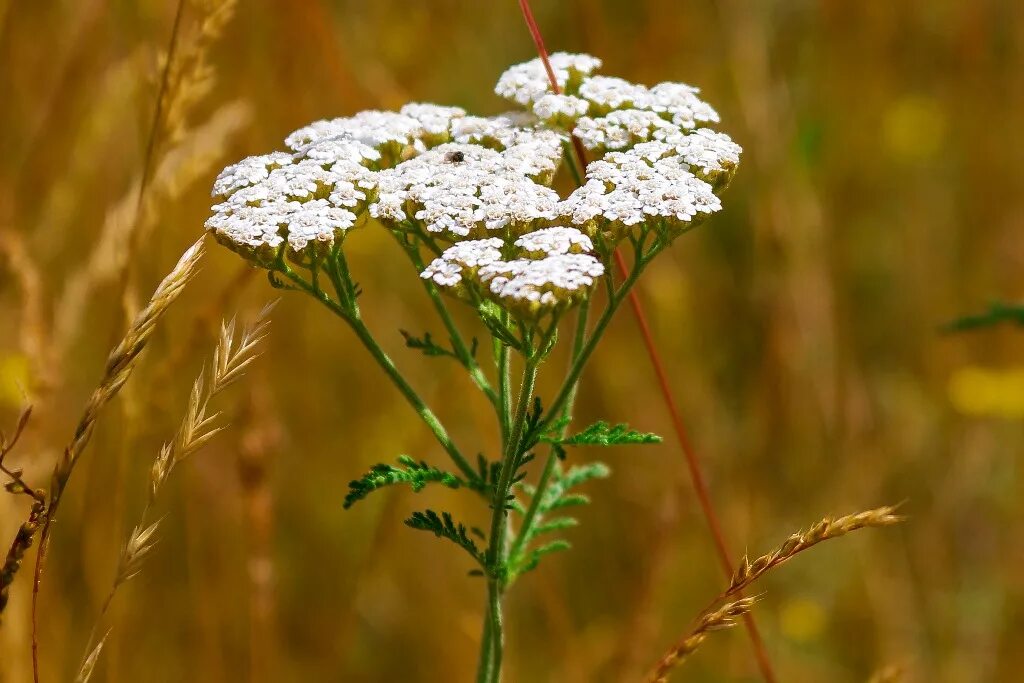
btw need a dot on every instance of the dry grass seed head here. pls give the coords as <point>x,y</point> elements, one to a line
<point>719,619</point>
<point>828,528</point>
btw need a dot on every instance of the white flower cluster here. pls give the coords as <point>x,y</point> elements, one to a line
<point>560,110</point>
<point>629,188</point>
<point>541,271</point>
<point>278,198</point>
<point>527,82</point>
<point>494,180</point>
<point>463,190</point>
<point>483,183</point>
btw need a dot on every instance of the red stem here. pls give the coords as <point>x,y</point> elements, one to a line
<point>692,461</point>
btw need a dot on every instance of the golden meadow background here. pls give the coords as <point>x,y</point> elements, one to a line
<point>880,195</point>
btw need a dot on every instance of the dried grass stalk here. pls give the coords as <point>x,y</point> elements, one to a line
<point>119,367</point>
<point>722,618</point>
<point>712,619</point>
<point>231,357</point>
<point>751,570</point>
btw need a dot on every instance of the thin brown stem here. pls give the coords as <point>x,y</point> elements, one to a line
<point>692,461</point>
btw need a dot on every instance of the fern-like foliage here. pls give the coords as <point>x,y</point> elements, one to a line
<point>415,474</point>
<point>444,526</point>
<point>996,314</point>
<point>604,434</point>
<point>558,496</point>
<point>429,347</point>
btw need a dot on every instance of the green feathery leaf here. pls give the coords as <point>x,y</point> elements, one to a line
<point>416,474</point>
<point>603,434</point>
<point>427,345</point>
<point>535,555</point>
<point>444,526</point>
<point>555,497</point>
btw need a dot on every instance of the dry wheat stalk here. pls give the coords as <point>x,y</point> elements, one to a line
<point>749,571</point>
<point>89,665</point>
<point>122,361</point>
<point>120,364</point>
<point>231,356</point>
<point>717,620</point>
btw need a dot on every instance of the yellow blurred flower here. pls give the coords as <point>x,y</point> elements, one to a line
<point>990,393</point>
<point>802,619</point>
<point>914,128</point>
<point>14,379</point>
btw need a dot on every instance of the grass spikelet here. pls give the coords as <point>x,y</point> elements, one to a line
<point>749,570</point>
<point>140,542</point>
<point>712,619</point>
<point>89,664</point>
<point>119,367</point>
<point>122,361</point>
<point>719,619</point>
<point>230,359</point>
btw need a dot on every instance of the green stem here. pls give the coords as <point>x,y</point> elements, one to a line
<point>568,388</point>
<point>485,661</point>
<point>497,552</point>
<point>461,350</point>
<point>552,460</point>
<point>350,314</point>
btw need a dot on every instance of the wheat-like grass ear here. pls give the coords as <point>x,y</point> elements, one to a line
<point>714,618</point>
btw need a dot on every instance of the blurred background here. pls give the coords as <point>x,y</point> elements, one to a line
<point>880,195</point>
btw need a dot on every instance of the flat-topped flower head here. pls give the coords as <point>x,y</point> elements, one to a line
<point>340,149</point>
<point>496,132</point>
<point>680,102</point>
<point>627,189</point>
<point>461,260</point>
<point>435,119</point>
<point>606,93</point>
<point>531,287</point>
<point>459,190</point>
<point>539,272</point>
<point>248,171</point>
<point>712,156</point>
<point>527,82</point>
<point>622,129</point>
<point>303,205</point>
<point>390,133</point>
<point>553,241</point>
<point>560,110</point>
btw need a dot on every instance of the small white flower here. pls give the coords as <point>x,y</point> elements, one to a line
<point>340,148</point>
<point>629,188</point>
<point>560,109</point>
<point>533,285</point>
<point>458,190</point>
<point>607,92</point>
<point>463,258</point>
<point>680,101</point>
<point>248,171</point>
<point>711,156</point>
<point>374,128</point>
<point>435,119</point>
<point>621,129</point>
<point>553,241</point>
<point>527,82</point>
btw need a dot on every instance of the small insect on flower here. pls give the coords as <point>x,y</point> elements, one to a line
<point>455,157</point>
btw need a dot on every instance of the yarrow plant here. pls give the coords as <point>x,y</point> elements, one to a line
<point>469,201</point>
